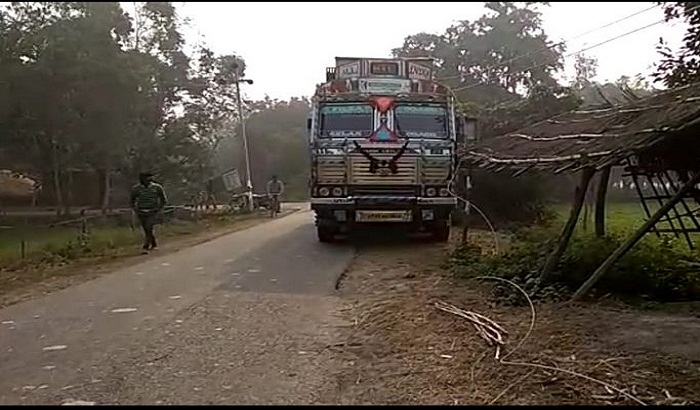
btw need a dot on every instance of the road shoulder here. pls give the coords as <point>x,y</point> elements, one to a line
<point>31,283</point>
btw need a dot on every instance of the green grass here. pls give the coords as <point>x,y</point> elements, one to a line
<point>620,216</point>
<point>623,218</point>
<point>56,244</point>
<point>659,269</point>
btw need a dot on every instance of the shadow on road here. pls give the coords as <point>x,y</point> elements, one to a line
<point>384,238</point>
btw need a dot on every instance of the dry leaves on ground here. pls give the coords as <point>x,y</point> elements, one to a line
<point>400,349</point>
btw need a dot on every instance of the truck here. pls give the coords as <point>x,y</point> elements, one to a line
<point>383,137</point>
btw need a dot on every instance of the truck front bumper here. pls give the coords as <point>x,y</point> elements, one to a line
<point>419,212</point>
<point>398,201</point>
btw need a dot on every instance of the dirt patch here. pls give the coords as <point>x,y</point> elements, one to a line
<point>20,285</point>
<point>399,349</point>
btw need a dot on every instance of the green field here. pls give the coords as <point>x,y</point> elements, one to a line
<point>623,218</point>
<point>619,216</point>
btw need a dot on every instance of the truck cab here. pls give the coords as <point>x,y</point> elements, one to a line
<point>382,137</point>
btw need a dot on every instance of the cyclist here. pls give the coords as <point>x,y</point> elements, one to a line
<point>275,189</point>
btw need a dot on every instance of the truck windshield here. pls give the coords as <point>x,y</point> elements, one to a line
<point>421,121</point>
<point>345,120</point>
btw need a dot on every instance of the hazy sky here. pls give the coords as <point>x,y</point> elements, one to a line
<point>288,45</point>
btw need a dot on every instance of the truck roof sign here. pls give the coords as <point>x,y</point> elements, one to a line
<point>418,71</point>
<point>384,68</point>
<point>384,85</point>
<point>412,68</point>
<point>400,77</point>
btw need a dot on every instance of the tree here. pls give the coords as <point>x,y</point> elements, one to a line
<point>85,86</point>
<point>501,67</point>
<point>683,67</point>
<point>498,57</point>
<point>586,69</point>
<point>278,144</point>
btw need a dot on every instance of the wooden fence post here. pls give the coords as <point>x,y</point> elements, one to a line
<point>601,197</point>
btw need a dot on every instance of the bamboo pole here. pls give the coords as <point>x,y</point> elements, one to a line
<point>580,196</point>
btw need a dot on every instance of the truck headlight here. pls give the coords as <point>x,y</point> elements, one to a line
<point>430,191</point>
<point>444,192</point>
<point>337,191</point>
<point>323,191</point>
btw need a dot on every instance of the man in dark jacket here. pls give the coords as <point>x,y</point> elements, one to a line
<point>148,200</point>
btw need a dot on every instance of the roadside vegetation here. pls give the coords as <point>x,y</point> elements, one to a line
<point>658,269</point>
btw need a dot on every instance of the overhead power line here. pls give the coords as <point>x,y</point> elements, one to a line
<point>516,58</point>
<point>580,50</point>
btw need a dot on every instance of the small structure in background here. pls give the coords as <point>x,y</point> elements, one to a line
<point>17,187</point>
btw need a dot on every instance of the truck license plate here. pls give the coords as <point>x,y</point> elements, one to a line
<point>383,216</point>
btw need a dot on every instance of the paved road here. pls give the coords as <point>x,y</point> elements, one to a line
<point>245,318</point>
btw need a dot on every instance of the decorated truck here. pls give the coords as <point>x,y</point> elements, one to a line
<point>383,137</point>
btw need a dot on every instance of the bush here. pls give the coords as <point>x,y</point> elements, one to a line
<point>509,201</point>
<point>655,269</point>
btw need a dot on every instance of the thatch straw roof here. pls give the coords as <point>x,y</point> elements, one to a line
<point>598,137</point>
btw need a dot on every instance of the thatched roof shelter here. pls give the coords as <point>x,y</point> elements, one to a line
<point>601,137</point>
<point>656,137</point>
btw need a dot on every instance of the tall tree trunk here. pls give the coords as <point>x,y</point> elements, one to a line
<point>588,206</point>
<point>69,199</point>
<point>106,191</point>
<point>601,195</point>
<point>56,177</point>
<point>100,178</point>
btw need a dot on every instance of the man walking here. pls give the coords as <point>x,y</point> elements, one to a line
<point>148,200</point>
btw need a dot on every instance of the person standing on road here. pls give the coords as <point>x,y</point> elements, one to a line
<point>148,200</point>
<point>275,189</point>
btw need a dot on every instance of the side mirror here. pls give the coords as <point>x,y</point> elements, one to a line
<point>471,131</point>
<point>308,124</point>
<point>467,130</point>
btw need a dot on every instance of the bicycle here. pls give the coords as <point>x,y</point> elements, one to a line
<point>274,205</point>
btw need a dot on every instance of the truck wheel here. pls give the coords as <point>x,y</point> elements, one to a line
<point>442,232</point>
<point>458,217</point>
<point>325,234</point>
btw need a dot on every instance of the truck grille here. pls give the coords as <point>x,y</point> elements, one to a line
<point>435,172</point>
<point>331,171</point>
<point>407,172</point>
<point>384,190</point>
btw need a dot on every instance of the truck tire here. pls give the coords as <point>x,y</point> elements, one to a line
<point>325,234</point>
<point>458,217</point>
<point>442,232</point>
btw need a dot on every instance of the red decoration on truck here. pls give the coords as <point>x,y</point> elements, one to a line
<point>384,104</point>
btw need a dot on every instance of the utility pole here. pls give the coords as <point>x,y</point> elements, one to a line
<point>241,120</point>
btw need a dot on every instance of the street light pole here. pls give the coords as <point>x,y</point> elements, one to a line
<point>249,183</point>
